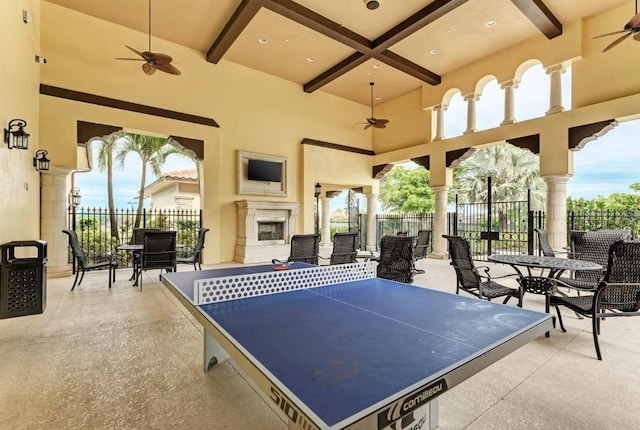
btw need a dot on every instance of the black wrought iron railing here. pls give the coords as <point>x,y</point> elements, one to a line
<point>99,237</point>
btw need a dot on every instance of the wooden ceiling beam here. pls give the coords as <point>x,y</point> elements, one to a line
<point>417,21</point>
<point>349,63</point>
<point>310,19</point>
<point>540,15</point>
<point>243,14</point>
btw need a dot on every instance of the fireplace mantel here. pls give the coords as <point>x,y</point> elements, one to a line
<point>249,249</point>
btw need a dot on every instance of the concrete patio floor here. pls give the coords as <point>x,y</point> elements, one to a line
<point>127,358</point>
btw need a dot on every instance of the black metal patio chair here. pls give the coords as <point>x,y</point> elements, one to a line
<point>617,295</point>
<point>468,277</point>
<point>345,248</point>
<point>396,259</point>
<point>83,264</point>
<point>304,248</point>
<point>158,252</point>
<point>592,246</point>
<point>196,256</point>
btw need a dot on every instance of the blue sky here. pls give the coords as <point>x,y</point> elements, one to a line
<point>606,165</point>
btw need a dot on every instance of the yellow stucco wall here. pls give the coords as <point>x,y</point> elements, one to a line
<point>19,78</point>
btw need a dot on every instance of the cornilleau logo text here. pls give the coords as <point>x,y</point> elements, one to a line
<point>410,403</point>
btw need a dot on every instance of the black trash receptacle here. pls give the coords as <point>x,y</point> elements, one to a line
<point>23,281</point>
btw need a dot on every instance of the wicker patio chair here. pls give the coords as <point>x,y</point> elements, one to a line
<point>345,248</point>
<point>592,246</point>
<point>304,248</point>
<point>83,263</point>
<point>396,259</point>
<point>469,279</point>
<point>544,245</point>
<point>421,247</point>
<point>617,295</point>
<point>158,252</point>
<point>196,256</point>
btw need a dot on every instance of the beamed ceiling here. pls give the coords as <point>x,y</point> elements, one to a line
<point>339,46</point>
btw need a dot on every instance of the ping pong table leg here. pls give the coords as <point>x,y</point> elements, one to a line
<point>434,414</point>
<point>213,352</point>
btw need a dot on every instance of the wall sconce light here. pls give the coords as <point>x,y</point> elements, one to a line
<point>40,160</point>
<point>15,136</point>
<point>75,197</point>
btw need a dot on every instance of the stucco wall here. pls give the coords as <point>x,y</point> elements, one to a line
<point>19,78</point>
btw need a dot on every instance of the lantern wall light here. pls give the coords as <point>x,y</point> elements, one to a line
<point>74,197</point>
<point>40,160</point>
<point>15,136</point>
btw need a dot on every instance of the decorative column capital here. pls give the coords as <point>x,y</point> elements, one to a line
<point>471,96</point>
<point>511,83</point>
<point>555,68</point>
<point>441,107</point>
<point>556,179</point>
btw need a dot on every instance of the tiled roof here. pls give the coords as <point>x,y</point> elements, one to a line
<point>177,175</point>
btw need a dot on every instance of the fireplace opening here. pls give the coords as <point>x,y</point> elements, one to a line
<point>271,230</point>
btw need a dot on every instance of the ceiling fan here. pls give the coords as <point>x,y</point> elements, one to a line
<point>153,60</point>
<point>375,122</point>
<point>632,27</point>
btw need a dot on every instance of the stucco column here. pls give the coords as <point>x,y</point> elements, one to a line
<point>372,202</point>
<point>471,100</point>
<point>53,219</point>
<point>555,92</point>
<point>440,222</point>
<point>509,88</point>
<point>439,111</point>
<point>325,221</point>
<point>556,216</point>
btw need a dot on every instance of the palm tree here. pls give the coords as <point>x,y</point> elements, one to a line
<point>153,151</point>
<point>105,162</point>
<point>513,171</point>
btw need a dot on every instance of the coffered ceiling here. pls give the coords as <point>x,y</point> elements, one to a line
<point>339,46</point>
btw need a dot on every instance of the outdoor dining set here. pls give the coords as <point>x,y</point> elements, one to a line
<point>597,277</point>
<point>150,248</point>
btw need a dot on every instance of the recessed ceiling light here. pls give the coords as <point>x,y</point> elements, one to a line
<point>286,39</point>
<point>447,31</point>
<point>263,40</point>
<point>311,59</point>
<point>377,66</point>
<point>434,52</point>
<point>378,98</point>
<point>490,23</point>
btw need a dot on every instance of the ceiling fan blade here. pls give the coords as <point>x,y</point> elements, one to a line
<point>136,51</point>
<point>382,121</point>
<point>367,126</point>
<point>610,34</point>
<point>636,36</point>
<point>130,59</point>
<point>379,125</point>
<point>149,68</point>
<point>168,68</point>
<point>615,42</point>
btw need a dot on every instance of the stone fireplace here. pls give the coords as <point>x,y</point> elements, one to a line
<point>264,230</point>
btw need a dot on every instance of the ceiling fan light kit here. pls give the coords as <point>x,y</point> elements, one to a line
<point>372,4</point>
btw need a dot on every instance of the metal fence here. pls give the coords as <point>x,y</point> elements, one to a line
<point>515,236</point>
<point>97,237</point>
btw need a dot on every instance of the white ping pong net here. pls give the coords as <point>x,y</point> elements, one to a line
<point>236,287</point>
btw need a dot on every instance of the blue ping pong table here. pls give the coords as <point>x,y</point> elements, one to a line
<point>334,347</point>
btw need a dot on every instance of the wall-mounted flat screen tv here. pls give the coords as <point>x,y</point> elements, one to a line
<point>266,171</point>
